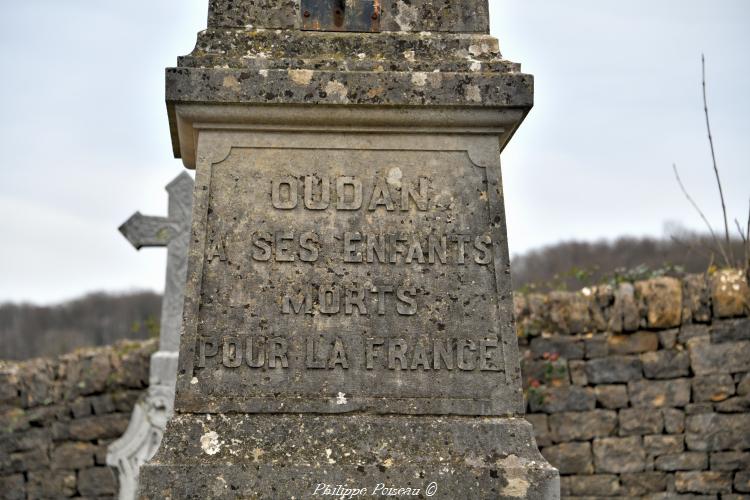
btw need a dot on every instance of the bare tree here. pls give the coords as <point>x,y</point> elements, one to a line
<point>724,248</point>
<point>713,153</point>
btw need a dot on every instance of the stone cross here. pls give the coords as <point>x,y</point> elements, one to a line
<point>144,433</point>
<point>348,320</point>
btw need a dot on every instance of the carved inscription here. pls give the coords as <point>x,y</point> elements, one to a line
<point>363,272</point>
<point>357,299</point>
<point>348,193</point>
<point>356,247</point>
<point>379,353</point>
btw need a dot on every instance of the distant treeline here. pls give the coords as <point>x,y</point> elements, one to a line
<point>28,331</point>
<point>575,264</point>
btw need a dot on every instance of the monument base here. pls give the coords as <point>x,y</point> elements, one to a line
<point>347,456</point>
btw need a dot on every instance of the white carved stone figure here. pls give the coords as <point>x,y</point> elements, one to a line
<point>150,415</point>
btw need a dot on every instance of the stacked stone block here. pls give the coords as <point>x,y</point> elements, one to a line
<point>57,417</point>
<point>642,390</point>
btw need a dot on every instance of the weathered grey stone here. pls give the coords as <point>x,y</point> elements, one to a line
<point>419,15</point>
<point>641,483</point>
<point>624,316</point>
<point>13,487</point>
<point>566,347</point>
<point>100,455</point>
<point>596,346</point>
<point>739,404</point>
<point>712,387</point>
<point>132,367</point>
<point>565,486</point>
<point>124,401</point>
<point>690,331</point>
<point>703,482</point>
<point>534,309</point>
<point>665,364</point>
<point>209,454</point>
<point>730,460</point>
<point>672,495</point>
<point>570,312</point>
<point>718,432</point>
<point>633,343</point>
<point>51,484</point>
<point>98,427</point>
<point>22,441</point>
<point>743,386</point>
<point>560,399</point>
<point>102,404</point>
<point>191,84</point>
<point>696,299</point>
<point>639,421</point>
<point>663,300</point>
<point>44,415</point>
<point>729,293</point>
<point>601,299</point>
<point>742,481</point>
<point>699,408</point>
<point>25,461</point>
<point>9,394</point>
<point>668,338</point>
<point>90,372</point>
<point>73,456</point>
<point>727,357</point>
<point>612,396</point>
<point>613,369</point>
<point>577,371</point>
<point>328,166</point>
<point>660,393</point>
<point>730,330</point>
<point>674,420</point>
<point>582,426</point>
<point>96,481</point>
<point>541,428</point>
<point>663,444</point>
<point>618,455</point>
<point>570,458</point>
<point>599,485</point>
<point>689,460</point>
<point>81,408</point>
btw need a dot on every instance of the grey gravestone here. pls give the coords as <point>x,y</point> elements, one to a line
<point>348,313</point>
<point>146,427</point>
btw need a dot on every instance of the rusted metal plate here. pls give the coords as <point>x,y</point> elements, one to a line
<point>341,15</point>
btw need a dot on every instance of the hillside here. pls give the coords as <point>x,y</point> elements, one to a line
<point>574,264</point>
<point>96,319</point>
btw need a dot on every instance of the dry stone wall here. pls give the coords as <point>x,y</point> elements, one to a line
<point>57,417</point>
<point>637,390</point>
<point>642,390</point>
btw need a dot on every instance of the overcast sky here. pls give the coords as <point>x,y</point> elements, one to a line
<point>85,140</point>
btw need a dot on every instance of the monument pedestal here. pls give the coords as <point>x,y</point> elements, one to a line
<point>291,456</point>
<point>348,317</point>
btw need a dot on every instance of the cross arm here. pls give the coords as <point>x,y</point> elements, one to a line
<point>148,231</point>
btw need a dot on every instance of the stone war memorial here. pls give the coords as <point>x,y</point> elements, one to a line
<point>348,318</point>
